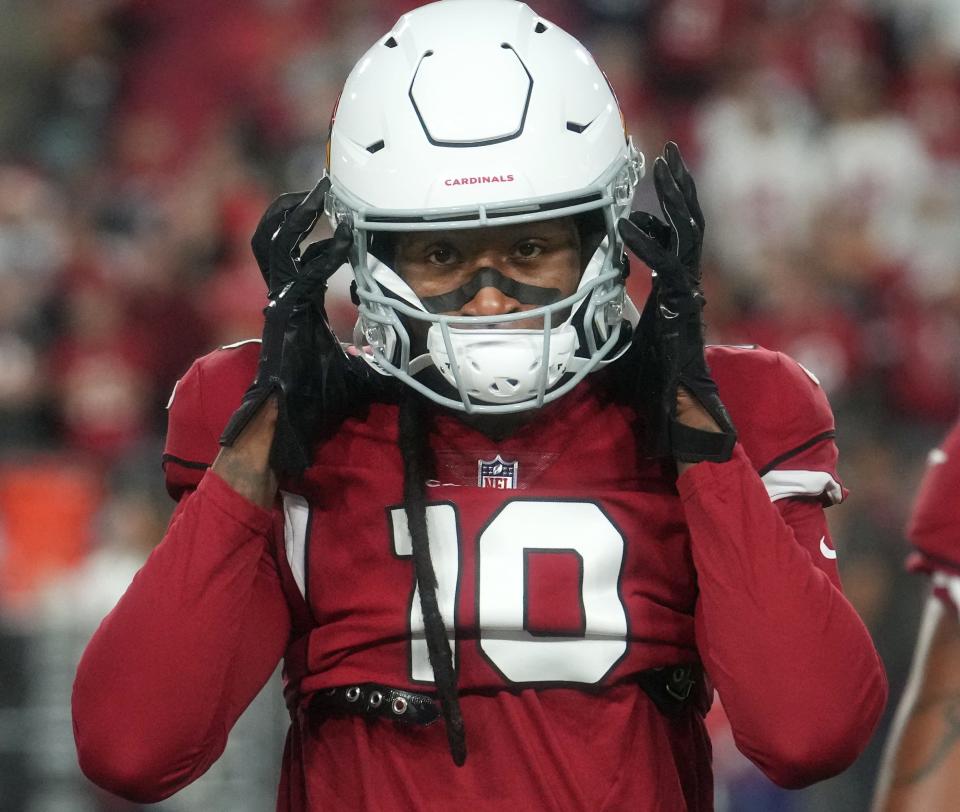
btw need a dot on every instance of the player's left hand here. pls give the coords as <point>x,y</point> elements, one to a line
<point>689,418</point>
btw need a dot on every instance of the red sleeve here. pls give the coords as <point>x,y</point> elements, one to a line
<point>794,665</point>
<point>786,427</point>
<point>196,635</point>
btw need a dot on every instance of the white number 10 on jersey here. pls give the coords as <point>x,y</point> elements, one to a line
<point>521,526</point>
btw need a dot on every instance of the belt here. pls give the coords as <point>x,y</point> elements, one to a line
<point>370,699</point>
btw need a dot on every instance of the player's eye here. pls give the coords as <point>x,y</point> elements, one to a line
<point>442,255</point>
<point>528,249</point>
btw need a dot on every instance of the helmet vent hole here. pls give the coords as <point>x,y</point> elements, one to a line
<point>391,43</point>
<point>539,27</point>
<point>376,146</point>
<point>427,53</point>
<point>506,45</point>
<point>504,386</point>
<point>577,128</point>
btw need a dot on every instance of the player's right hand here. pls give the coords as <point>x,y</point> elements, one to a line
<point>301,361</point>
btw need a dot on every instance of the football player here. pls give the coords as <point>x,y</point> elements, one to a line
<point>920,766</point>
<point>509,542</point>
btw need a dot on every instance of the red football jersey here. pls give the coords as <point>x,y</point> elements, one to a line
<point>566,564</point>
<point>934,526</point>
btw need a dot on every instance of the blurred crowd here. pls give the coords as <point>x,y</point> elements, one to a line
<point>140,142</point>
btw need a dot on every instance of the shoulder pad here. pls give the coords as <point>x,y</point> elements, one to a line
<point>783,419</point>
<point>934,526</point>
<point>199,407</point>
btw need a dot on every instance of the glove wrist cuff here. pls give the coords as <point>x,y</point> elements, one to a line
<point>696,445</point>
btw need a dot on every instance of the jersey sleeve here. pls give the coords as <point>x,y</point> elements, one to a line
<point>783,419</point>
<point>204,622</point>
<point>198,633</point>
<point>200,406</point>
<point>796,669</point>
<point>934,525</point>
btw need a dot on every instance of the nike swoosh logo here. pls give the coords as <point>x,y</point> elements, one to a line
<point>825,551</point>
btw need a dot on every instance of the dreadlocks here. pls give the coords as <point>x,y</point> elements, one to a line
<point>413,443</point>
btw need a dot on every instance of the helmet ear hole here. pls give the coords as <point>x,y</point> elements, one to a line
<point>592,230</point>
<point>383,246</point>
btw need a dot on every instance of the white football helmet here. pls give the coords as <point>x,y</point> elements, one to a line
<point>471,114</point>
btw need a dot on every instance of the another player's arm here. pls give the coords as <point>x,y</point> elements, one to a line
<point>921,764</point>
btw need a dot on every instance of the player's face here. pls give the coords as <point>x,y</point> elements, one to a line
<point>542,258</point>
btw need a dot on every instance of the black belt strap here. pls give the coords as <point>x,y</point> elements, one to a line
<point>374,700</point>
<point>671,689</point>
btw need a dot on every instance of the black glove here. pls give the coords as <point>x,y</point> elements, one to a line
<point>301,361</point>
<point>670,332</point>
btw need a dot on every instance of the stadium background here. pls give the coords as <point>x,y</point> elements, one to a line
<point>140,141</point>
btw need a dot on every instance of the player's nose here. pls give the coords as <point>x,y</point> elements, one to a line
<point>490,301</point>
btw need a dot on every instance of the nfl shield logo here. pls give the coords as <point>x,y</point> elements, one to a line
<point>497,473</point>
